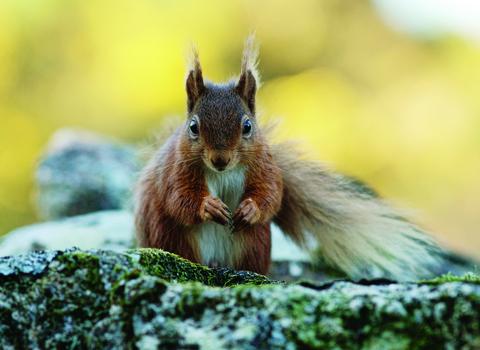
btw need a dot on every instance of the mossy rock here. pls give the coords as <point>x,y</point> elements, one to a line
<point>148,299</point>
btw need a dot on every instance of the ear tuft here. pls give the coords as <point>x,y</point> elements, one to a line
<point>249,82</point>
<point>194,83</point>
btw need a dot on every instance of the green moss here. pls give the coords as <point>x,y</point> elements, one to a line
<point>390,341</point>
<point>175,269</point>
<point>84,263</point>
<point>469,277</point>
<point>171,267</point>
<point>119,286</point>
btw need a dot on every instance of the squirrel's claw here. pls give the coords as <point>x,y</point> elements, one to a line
<point>215,210</point>
<point>247,214</point>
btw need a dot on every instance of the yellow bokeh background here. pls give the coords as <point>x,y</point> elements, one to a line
<point>401,113</point>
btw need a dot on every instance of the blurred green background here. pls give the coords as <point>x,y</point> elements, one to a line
<point>398,111</point>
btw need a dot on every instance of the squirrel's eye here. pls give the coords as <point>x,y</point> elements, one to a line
<point>194,127</point>
<point>247,127</point>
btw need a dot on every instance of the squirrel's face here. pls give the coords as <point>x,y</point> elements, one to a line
<point>220,128</point>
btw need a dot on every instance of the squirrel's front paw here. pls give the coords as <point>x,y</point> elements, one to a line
<point>247,214</point>
<point>215,210</point>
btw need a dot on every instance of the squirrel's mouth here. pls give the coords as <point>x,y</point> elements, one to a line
<point>220,168</point>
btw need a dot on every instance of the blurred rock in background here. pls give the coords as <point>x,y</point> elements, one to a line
<point>82,172</point>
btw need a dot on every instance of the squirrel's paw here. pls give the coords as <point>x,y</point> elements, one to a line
<point>215,210</point>
<point>247,214</point>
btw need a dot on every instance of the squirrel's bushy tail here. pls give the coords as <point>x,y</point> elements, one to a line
<point>348,224</point>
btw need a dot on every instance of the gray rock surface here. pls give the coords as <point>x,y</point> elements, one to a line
<point>82,172</point>
<point>104,300</point>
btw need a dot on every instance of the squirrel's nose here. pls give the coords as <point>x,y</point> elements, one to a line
<point>220,163</point>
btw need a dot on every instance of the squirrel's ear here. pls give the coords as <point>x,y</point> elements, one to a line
<point>248,82</point>
<point>194,84</point>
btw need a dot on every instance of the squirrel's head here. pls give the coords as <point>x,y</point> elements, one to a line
<point>221,125</point>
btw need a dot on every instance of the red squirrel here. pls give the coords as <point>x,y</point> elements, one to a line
<point>211,192</point>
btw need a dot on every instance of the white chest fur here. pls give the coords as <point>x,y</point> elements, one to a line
<point>217,246</point>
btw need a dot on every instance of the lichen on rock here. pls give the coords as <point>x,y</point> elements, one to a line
<point>149,299</point>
